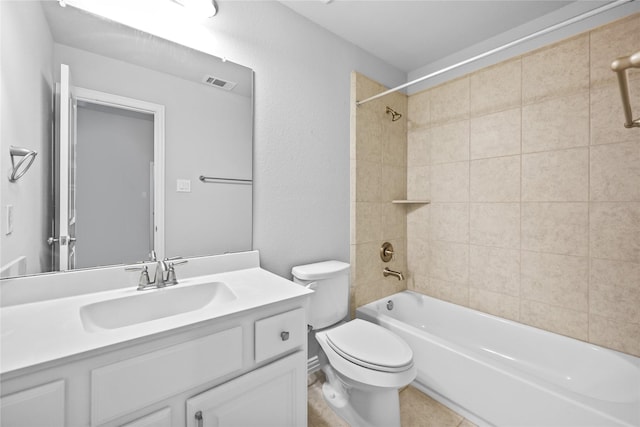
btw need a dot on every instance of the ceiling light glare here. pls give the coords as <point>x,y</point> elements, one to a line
<point>206,8</point>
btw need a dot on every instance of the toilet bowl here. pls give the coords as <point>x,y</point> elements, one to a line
<point>364,364</point>
<point>367,364</point>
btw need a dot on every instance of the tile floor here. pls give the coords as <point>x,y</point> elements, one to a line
<point>416,409</point>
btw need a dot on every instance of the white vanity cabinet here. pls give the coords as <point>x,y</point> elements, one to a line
<point>248,369</point>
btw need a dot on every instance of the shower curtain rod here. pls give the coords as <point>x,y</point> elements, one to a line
<point>546,30</point>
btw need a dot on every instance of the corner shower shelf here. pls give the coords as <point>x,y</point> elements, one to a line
<point>411,202</point>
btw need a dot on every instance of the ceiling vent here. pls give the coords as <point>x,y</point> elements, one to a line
<point>219,83</point>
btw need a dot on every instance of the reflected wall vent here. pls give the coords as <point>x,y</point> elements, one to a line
<point>219,83</point>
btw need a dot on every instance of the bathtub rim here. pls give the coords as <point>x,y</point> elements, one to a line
<point>618,412</point>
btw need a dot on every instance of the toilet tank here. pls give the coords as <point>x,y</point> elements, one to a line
<point>330,282</point>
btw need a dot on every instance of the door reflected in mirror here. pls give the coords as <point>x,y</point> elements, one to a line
<point>145,124</point>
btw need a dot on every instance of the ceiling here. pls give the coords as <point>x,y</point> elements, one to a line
<point>412,34</point>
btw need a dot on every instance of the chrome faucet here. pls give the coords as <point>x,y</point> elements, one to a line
<point>165,274</point>
<point>388,272</point>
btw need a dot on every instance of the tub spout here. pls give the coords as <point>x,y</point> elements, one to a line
<point>387,272</point>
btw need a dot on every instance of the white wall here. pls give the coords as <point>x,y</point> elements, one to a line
<point>301,142</point>
<point>26,76</point>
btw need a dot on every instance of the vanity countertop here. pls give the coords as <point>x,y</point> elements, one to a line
<point>45,331</point>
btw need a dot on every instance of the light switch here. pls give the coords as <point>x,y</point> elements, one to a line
<point>183,186</point>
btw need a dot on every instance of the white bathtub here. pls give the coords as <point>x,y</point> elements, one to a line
<point>498,372</point>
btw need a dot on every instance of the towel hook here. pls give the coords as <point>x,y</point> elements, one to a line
<point>23,165</point>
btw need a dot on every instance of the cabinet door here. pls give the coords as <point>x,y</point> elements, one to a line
<point>161,418</point>
<point>37,406</point>
<point>274,395</point>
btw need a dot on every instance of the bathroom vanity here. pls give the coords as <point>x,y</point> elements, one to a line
<point>233,354</point>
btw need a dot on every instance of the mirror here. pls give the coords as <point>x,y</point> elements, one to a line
<point>206,131</point>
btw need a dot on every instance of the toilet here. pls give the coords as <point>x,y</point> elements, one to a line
<point>364,363</point>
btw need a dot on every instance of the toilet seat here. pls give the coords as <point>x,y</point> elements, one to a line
<point>370,346</point>
<point>354,371</point>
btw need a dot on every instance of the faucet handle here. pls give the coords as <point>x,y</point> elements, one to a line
<point>144,281</point>
<point>171,273</point>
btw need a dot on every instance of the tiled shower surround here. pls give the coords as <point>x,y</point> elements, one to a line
<point>534,184</point>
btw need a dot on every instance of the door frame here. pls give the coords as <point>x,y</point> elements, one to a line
<point>158,111</point>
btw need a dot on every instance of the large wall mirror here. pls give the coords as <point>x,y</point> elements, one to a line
<point>144,147</point>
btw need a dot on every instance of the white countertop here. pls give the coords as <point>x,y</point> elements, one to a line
<point>44,331</point>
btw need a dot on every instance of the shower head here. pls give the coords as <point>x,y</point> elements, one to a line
<point>394,114</point>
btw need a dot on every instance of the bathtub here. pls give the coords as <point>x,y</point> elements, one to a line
<point>498,372</point>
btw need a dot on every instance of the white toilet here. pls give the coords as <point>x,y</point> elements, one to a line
<point>364,363</point>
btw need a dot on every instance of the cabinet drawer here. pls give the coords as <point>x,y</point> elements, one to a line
<point>280,333</point>
<point>129,385</point>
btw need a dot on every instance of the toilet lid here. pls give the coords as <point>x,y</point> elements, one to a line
<point>371,346</point>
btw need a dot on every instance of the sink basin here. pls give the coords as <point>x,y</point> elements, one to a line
<point>154,304</point>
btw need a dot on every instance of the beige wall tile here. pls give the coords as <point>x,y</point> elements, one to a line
<point>450,182</point>
<point>456,293</point>
<point>557,70</point>
<point>394,143</point>
<point>419,110</point>
<point>496,88</point>
<point>368,263</point>
<point>494,303</point>
<point>555,319</point>
<point>368,146</point>
<point>417,255</point>
<point>419,148</point>
<point>607,115</point>
<point>495,180</point>
<point>393,183</point>
<point>611,41</point>
<point>450,222</point>
<point>556,124</point>
<point>496,134</point>
<point>495,269</point>
<point>614,290</point>
<point>495,224</point>
<point>394,221</point>
<point>366,87</point>
<point>615,231</point>
<point>449,261</point>
<point>368,181</point>
<point>557,280</point>
<point>622,336</point>
<point>368,226</point>
<point>450,101</point>
<point>556,176</point>
<point>615,172</point>
<point>615,273</point>
<point>450,142</point>
<point>418,179</point>
<point>560,228</point>
<point>419,215</point>
<point>418,282</point>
